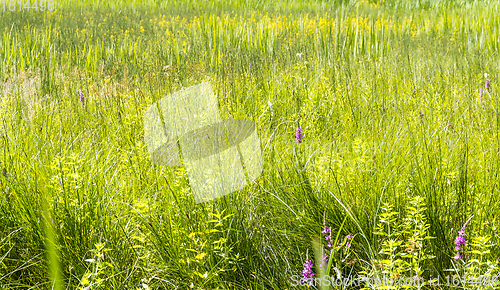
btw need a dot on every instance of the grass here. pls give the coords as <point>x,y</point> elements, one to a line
<point>387,94</point>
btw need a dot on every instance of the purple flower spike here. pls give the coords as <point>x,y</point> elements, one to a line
<point>459,243</point>
<point>307,272</point>
<point>82,97</point>
<point>488,85</point>
<point>298,135</point>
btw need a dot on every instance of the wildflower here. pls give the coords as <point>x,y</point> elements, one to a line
<point>488,85</point>
<point>250,66</point>
<point>459,243</point>
<point>200,256</point>
<point>481,92</point>
<point>329,240</point>
<point>307,272</point>
<point>328,237</point>
<point>458,257</point>
<point>421,115</point>
<point>460,240</point>
<point>348,238</point>
<point>82,97</point>
<point>104,39</point>
<point>298,135</point>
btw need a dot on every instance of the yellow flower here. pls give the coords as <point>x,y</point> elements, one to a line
<point>85,281</point>
<point>200,256</point>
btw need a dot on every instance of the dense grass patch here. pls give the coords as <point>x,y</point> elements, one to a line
<point>400,141</point>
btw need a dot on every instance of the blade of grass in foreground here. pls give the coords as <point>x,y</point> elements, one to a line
<point>50,245</point>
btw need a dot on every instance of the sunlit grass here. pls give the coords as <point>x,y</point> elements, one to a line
<point>389,104</point>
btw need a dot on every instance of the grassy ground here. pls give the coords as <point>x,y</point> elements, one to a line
<point>391,96</point>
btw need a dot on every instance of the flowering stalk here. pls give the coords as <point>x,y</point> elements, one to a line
<point>82,97</point>
<point>308,271</point>
<point>348,238</point>
<point>460,242</point>
<point>328,237</point>
<point>298,135</point>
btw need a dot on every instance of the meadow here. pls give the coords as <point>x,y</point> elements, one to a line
<point>395,173</point>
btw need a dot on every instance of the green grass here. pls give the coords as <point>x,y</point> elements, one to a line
<point>387,95</point>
